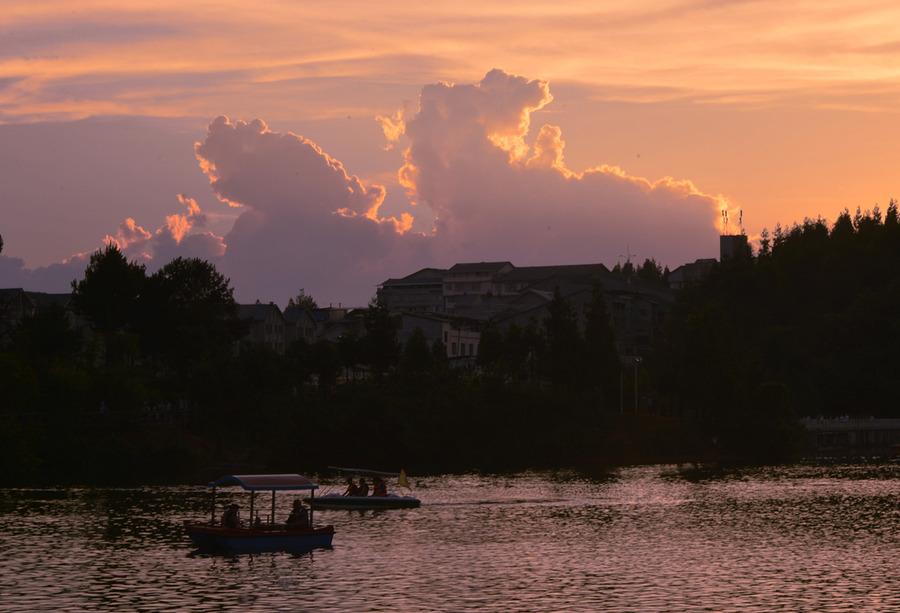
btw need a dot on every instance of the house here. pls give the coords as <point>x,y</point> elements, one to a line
<point>691,273</point>
<point>460,337</point>
<point>17,304</point>
<point>636,308</point>
<point>265,325</point>
<point>299,324</point>
<point>334,322</point>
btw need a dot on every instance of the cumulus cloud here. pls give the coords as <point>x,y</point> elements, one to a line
<point>306,221</point>
<point>172,239</point>
<point>497,195</point>
<point>154,249</point>
<point>496,188</point>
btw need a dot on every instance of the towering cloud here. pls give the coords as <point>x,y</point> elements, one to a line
<point>306,221</point>
<point>497,195</point>
<point>496,189</point>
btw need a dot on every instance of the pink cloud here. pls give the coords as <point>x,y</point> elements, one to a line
<point>497,195</point>
<point>307,222</point>
<point>496,188</point>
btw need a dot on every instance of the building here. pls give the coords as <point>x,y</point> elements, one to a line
<point>299,324</point>
<point>17,304</point>
<point>460,337</point>
<point>691,273</point>
<point>637,309</point>
<point>478,290</point>
<point>733,245</point>
<point>265,325</point>
<point>420,292</point>
<point>476,294</point>
<point>334,322</point>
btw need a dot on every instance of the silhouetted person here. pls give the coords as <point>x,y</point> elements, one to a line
<point>299,517</point>
<point>363,489</point>
<point>379,487</point>
<point>352,489</point>
<point>231,518</point>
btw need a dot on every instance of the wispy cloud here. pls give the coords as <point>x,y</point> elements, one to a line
<point>217,55</point>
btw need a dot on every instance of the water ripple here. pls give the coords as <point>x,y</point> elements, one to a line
<point>648,539</point>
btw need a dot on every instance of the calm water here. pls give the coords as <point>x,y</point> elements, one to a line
<point>647,539</point>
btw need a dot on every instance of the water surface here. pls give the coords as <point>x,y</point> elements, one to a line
<point>645,539</point>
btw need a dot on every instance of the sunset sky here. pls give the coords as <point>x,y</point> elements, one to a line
<point>668,111</point>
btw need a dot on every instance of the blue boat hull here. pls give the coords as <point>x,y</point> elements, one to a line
<point>215,539</point>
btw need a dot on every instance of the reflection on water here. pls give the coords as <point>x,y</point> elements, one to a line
<point>649,539</point>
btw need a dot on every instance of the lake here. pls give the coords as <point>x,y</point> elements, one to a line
<point>655,538</point>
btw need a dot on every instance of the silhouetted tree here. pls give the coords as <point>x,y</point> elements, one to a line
<point>47,337</point>
<point>491,350</point>
<point>562,360</point>
<point>109,292</point>
<point>600,349</point>
<point>303,300</point>
<point>650,270</point>
<point>439,359</point>
<point>417,356</point>
<point>326,363</point>
<point>381,338</point>
<point>188,312</point>
<point>350,352</point>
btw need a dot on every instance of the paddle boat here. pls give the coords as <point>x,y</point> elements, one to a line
<point>388,501</point>
<point>256,535</point>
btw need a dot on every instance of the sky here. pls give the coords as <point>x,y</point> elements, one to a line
<point>330,146</point>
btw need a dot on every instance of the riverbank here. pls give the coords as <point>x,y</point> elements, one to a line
<point>443,428</point>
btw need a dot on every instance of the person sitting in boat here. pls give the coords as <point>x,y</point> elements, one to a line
<point>299,517</point>
<point>379,487</point>
<point>352,489</point>
<point>231,518</point>
<point>363,489</point>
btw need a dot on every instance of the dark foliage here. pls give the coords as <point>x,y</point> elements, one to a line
<point>153,389</point>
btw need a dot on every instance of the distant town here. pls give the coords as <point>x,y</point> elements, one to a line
<point>636,363</point>
<point>455,304</point>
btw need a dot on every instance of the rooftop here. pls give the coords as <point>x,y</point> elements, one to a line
<point>472,267</point>
<point>256,312</point>
<point>536,273</point>
<point>426,275</point>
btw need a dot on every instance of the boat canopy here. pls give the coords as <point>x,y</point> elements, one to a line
<point>363,472</point>
<point>255,483</point>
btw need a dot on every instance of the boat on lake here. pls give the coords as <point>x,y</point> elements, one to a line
<point>369,502</point>
<point>257,535</point>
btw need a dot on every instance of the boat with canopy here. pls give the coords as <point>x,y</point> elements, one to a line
<point>258,535</point>
<point>387,501</point>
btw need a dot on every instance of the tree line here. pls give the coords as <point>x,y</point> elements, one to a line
<point>806,325</point>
